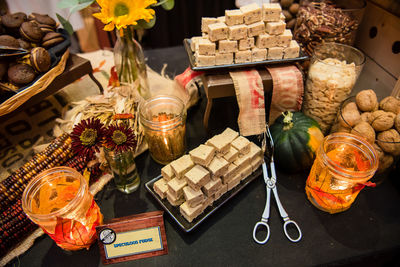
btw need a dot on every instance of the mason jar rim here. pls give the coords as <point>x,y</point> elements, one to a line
<point>34,185</point>
<point>363,58</point>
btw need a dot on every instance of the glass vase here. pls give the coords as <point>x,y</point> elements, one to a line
<point>123,166</point>
<point>130,62</point>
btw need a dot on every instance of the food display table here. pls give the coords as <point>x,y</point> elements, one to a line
<point>367,234</point>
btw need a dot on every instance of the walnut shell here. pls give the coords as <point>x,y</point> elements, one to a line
<point>397,122</point>
<point>366,116</point>
<point>385,159</point>
<point>390,104</point>
<point>382,120</point>
<point>350,115</point>
<point>365,130</point>
<point>366,100</point>
<point>389,141</point>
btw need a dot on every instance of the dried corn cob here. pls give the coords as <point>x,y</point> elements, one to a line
<point>79,163</point>
<point>14,235</point>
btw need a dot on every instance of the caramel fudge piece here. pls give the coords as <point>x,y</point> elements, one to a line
<point>217,31</point>
<point>266,41</point>
<point>292,51</point>
<point>242,162</point>
<point>223,59</point>
<point>181,166</point>
<point>233,17</point>
<point>243,56</point>
<point>282,17</point>
<point>212,186</point>
<point>246,172</point>
<point>275,28</point>
<point>242,144</point>
<point>207,21</point>
<point>258,54</point>
<point>175,186</point>
<point>246,44</point>
<point>218,166</point>
<point>227,46</point>
<point>275,53</point>
<point>222,19</point>
<point>205,47</point>
<point>202,155</point>
<point>252,13</point>
<point>284,39</point>
<point>231,155</point>
<point>202,60</point>
<point>237,32</point>
<point>197,177</point>
<point>255,29</point>
<point>232,171</point>
<point>193,197</point>
<point>256,163</point>
<point>222,190</point>
<point>173,200</point>
<point>234,182</point>
<point>208,202</point>
<point>193,42</point>
<point>167,173</point>
<point>229,135</point>
<point>161,188</point>
<point>271,12</point>
<point>220,143</point>
<point>189,213</point>
<point>255,151</point>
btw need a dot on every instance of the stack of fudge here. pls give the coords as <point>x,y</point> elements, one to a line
<point>193,182</point>
<point>248,34</point>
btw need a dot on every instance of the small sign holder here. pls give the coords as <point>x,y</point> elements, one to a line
<point>132,237</point>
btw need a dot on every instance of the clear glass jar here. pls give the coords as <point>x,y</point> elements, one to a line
<point>122,164</point>
<point>333,72</point>
<point>163,119</point>
<point>58,200</point>
<point>344,163</point>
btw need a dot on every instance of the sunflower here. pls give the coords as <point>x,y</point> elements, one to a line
<point>87,136</point>
<point>120,138</point>
<point>121,13</point>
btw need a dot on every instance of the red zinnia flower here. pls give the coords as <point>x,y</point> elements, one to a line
<point>87,136</point>
<point>120,138</point>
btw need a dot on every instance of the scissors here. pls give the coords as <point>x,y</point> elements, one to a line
<point>271,185</point>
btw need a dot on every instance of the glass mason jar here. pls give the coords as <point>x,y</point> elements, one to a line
<point>333,72</point>
<point>344,163</point>
<point>58,200</point>
<point>124,169</point>
<point>130,62</point>
<point>163,119</point>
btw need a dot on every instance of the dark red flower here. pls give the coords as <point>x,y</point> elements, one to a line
<point>87,136</point>
<point>120,138</point>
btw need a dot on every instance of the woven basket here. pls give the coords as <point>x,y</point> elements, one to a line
<point>17,100</point>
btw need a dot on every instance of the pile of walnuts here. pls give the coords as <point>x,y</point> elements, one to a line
<point>378,122</point>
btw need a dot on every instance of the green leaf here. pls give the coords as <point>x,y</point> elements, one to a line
<point>80,6</point>
<point>105,73</point>
<point>67,3</point>
<point>168,4</point>
<point>65,23</point>
<point>147,25</point>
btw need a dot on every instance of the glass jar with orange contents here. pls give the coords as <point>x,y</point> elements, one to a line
<point>343,165</point>
<point>58,200</point>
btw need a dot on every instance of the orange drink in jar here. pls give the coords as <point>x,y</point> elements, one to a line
<point>58,200</point>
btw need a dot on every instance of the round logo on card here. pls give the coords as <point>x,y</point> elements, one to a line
<point>107,236</point>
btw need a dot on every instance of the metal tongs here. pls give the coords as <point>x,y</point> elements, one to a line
<point>270,182</point>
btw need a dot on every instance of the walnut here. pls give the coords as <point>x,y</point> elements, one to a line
<point>390,104</point>
<point>382,120</point>
<point>366,116</point>
<point>350,115</point>
<point>365,130</point>
<point>366,100</point>
<point>389,141</point>
<point>385,159</point>
<point>397,122</point>
<point>337,127</point>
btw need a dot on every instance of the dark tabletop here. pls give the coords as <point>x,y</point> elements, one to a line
<point>368,234</point>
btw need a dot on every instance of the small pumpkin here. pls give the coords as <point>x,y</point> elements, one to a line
<point>296,139</point>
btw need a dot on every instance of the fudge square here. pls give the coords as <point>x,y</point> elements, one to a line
<point>284,39</point>
<point>173,200</point>
<point>271,12</point>
<point>255,29</point>
<point>223,59</point>
<point>217,31</point>
<point>193,197</point>
<point>193,42</point>
<point>275,28</point>
<point>246,44</point>
<point>167,172</point>
<point>161,188</point>
<point>252,13</point>
<point>181,166</point>
<point>220,143</point>
<point>275,53</point>
<point>229,135</point>
<point>189,213</point>
<point>258,54</point>
<point>292,51</point>
<point>218,166</point>
<point>205,47</point>
<point>242,144</point>
<point>266,41</point>
<point>237,32</point>
<point>202,154</point>
<point>175,187</point>
<point>227,46</point>
<point>212,186</point>
<point>202,60</point>
<point>207,21</point>
<point>243,56</point>
<point>231,155</point>
<point>197,177</point>
<point>233,17</point>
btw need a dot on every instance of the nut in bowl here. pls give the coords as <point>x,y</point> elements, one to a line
<point>377,121</point>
